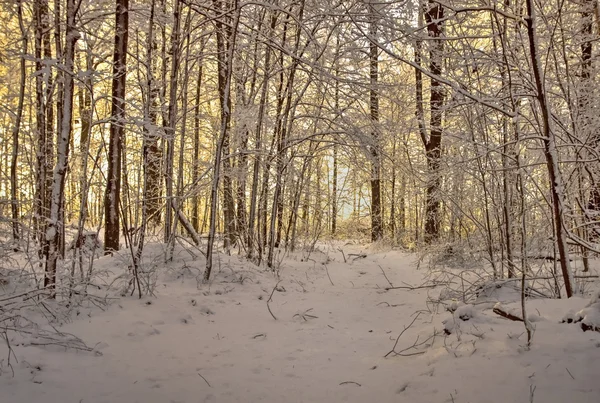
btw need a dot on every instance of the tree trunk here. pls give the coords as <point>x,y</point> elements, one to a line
<point>376,214</point>
<point>281,137</point>
<point>152,148</point>
<point>225,72</point>
<point>225,43</point>
<point>550,152</point>
<point>62,151</point>
<point>196,152</point>
<point>113,187</point>
<point>433,146</point>
<point>172,121</point>
<point>258,160</point>
<point>14,185</point>
<point>41,78</point>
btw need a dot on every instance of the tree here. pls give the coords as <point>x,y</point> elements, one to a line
<point>375,147</point>
<point>434,17</point>
<point>17,127</point>
<point>226,34</point>
<point>112,198</point>
<point>52,238</point>
<point>550,153</point>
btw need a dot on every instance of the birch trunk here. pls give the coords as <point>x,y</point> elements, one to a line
<point>62,152</point>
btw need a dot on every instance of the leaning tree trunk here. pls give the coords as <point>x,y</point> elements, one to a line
<point>113,186</point>
<point>62,152</point>
<point>550,152</point>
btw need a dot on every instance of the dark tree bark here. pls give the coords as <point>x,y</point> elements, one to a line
<point>59,108</point>
<point>172,120</point>
<point>375,148</point>
<point>281,139</point>
<point>153,149</point>
<point>113,187</point>
<point>14,185</point>
<point>434,14</point>
<point>225,65</point>
<point>196,152</point>
<point>585,109</point>
<point>252,242</point>
<point>42,79</point>
<point>225,43</point>
<point>550,152</point>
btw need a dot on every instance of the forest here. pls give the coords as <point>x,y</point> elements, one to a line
<point>274,170</point>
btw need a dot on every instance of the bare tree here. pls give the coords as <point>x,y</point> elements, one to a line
<point>17,127</point>
<point>375,147</point>
<point>117,129</point>
<point>226,47</point>
<point>550,152</point>
<point>62,151</point>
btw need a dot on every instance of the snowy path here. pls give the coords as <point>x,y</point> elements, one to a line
<point>224,346</point>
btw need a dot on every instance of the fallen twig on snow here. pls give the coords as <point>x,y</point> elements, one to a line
<point>393,350</point>
<point>350,382</point>
<point>305,315</point>
<point>499,311</point>
<point>570,373</point>
<point>270,298</point>
<point>327,271</point>
<point>410,287</point>
<point>386,277</point>
<point>357,256</point>
<point>343,255</point>
<point>200,375</point>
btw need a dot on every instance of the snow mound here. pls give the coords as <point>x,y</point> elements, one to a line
<point>589,317</point>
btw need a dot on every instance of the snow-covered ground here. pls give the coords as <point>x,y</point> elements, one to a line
<point>335,323</point>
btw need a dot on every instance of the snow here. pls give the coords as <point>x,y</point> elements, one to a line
<point>219,343</point>
<point>588,316</point>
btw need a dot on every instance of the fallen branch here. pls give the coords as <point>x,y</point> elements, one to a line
<point>200,375</point>
<point>393,350</point>
<point>499,311</point>
<point>386,277</point>
<point>187,225</point>
<point>350,382</point>
<point>327,271</point>
<point>343,254</point>
<point>305,315</point>
<point>408,287</point>
<point>358,255</point>
<point>270,298</point>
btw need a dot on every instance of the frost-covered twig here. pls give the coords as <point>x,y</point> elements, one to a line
<point>414,345</point>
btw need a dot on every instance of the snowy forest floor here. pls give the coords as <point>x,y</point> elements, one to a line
<point>335,323</point>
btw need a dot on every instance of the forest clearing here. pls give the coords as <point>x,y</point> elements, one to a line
<point>322,330</point>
